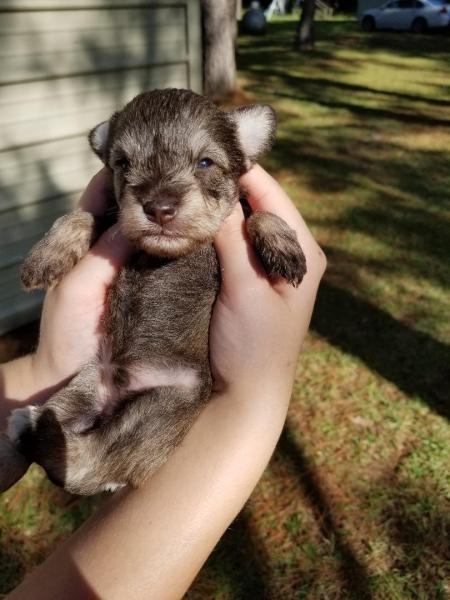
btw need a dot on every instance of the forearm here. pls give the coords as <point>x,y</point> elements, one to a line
<point>16,377</point>
<point>151,542</point>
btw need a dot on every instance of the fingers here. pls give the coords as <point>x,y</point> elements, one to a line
<point>265,194</point>
<point>237,259</point>
<point>102,262</point>
<point>95,196</point>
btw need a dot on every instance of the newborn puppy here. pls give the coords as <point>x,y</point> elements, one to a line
<point>176,160</point>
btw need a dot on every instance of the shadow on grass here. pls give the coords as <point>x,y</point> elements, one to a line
<point>325,93</point>
<point>239,563</point>
<point>43,516</point>
<point>418,236</point>
<point>414,361</point>
<point>347,32</point>
<point>417,523</point>
<point>358,160</point>
<point>389,197</point>
<point>13,564</point>
<point>353,575</point>
<point>384,192</point>
<point>313,85</point>
<point>404,43</point>
<point>341,48</point>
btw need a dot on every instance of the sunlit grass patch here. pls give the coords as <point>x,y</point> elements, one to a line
<point>34,517</point>
<point>355,503</point>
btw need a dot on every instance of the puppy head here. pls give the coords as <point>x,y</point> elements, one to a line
<point>176,160</point>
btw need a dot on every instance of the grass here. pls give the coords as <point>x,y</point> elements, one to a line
<point>355,502</point>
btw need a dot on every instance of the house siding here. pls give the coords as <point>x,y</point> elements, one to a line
<point>65,66</point>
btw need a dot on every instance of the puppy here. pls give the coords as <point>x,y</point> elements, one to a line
<point>176,160</point>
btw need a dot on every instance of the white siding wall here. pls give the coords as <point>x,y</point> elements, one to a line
<point>65,65</point>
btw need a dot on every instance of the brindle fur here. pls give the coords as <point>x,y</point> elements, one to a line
<point>100,431</point>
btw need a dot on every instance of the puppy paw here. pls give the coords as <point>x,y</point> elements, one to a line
<point>39,271</point>
<point>277,247</point>
<point>58,252</point>
<point>20,421</point>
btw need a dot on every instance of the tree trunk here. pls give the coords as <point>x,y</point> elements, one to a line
<point>304,37</point>
<point>219,38</point>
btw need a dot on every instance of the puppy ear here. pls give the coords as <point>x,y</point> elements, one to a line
<point>256,125</point>
<point>98,139</point>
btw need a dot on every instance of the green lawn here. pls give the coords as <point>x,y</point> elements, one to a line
<point>356,501</point>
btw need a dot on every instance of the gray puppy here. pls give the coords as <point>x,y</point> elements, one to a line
<point>176,160</point>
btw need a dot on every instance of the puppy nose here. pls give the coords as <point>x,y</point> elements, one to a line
<point>160,212</point>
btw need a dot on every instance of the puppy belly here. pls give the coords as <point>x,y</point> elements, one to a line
<point>139,378</point>
<point>143,377</point>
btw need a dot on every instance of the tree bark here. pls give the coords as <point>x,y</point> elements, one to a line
<point>304,37</point>
<point>219,39</point>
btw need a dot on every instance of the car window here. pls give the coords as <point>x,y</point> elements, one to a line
<point>418,4</point>
<point>391,5</point>
<point>405,3</point>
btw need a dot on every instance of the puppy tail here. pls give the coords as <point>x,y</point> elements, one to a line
<point>13,464</point>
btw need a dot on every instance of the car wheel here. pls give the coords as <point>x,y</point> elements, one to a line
<point>368,23</point>
<point>419,25</point>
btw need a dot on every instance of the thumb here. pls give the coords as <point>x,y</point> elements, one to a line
<point>103,261</point>
<point>236,256</point>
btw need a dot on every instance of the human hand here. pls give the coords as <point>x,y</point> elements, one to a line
<point>258,326</point>
<point>69,332</point>
<point>173,522</point>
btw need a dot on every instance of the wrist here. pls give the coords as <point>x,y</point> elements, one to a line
<point>255,400</point>
<point>27,380</point>
<point>44,376</point>
<point>273,383</point>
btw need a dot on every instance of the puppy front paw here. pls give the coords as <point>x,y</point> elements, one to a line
<point>43,269</point>
<point>277,247</point>
<point>58,252</point>
<point>20,420</point>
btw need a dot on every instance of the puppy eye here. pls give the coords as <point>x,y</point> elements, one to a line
<point>204,163</point>
<point>122,163</point>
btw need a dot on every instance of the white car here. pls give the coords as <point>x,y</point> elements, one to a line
<point>415,15</point>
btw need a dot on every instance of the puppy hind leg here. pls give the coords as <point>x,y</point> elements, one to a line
<point>40,433</point>
<point>140,437</point>
<point>124,450</point>
<point>79,406</point>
